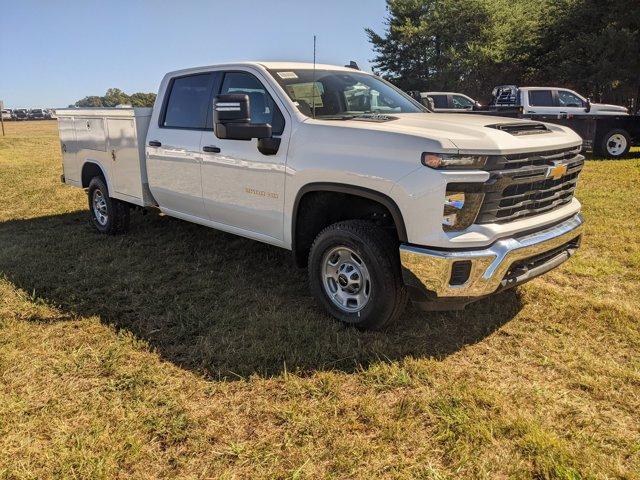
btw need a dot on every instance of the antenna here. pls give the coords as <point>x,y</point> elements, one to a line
<point>313,82</point>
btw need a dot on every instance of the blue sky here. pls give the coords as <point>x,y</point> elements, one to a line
<point>53,53</point>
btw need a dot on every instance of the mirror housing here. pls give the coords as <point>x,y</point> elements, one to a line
<point>232,118</point>
<point>588,107</point>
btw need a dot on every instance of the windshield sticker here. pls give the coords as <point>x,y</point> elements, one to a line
<point>305,92</point>
<point>287,75</point>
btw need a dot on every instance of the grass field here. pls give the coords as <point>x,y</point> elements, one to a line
<point>177,351</point>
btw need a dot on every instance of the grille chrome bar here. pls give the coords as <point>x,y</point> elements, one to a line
<point>519,160</point>
<point>519,185</point>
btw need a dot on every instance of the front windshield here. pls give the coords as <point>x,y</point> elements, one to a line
<point>339,94</point>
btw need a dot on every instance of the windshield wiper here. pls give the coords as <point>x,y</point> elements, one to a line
<point>351,116</point>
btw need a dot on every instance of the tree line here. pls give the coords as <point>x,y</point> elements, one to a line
<point>115,97</point>
<point>470,46</point>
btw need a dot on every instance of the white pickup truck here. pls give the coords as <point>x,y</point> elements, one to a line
<point>380,198</point>
<point>551,100</point>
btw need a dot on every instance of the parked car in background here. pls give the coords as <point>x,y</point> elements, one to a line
<point>380,198</point>
<point>37,114</point>
<point>21,114</point>
<point>448,101</point>
<point>7,114</point>
<point>51,113</point>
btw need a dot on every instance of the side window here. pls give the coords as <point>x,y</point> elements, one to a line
<point>569,99</point>
<point>263,108</point>
<point>439,101</point>
<point>461,102</point>
<point>188,102</point>
<point>541,98</point>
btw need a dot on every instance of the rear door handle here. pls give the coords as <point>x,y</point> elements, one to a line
<point>211,149</point>
<point>154,143</point>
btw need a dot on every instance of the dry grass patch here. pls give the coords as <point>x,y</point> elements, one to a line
<point>179,351</point>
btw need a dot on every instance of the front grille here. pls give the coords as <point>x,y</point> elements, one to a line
<point>522,185</point>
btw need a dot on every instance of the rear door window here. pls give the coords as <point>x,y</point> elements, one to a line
<point>188,102</point>
<point>541,98</point>
<point>439,101</point>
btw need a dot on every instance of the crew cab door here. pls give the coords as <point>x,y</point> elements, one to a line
<point>173,149</point>
<point>570,103</point>
<point>242,187</point>
<point>461,103</point>
<point>541,102</point>
<point>441,102</point>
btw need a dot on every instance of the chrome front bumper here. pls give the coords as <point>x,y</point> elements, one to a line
<point>428,273</point>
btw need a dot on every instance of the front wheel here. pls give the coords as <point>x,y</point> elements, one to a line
<point>615,144</point>
<point>108,215</point>
<point>354,273</point>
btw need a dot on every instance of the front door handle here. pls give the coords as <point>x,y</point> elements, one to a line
<point>211,149</point>
<point>154,143</point>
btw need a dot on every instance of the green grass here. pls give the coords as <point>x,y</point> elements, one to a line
<point>180,351</point>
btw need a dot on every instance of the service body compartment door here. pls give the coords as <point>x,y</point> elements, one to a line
<point>125,161</point>
<point>71,168</point>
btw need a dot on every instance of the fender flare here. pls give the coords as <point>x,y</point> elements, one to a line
<point>355,190</point>
<point>102,170</point>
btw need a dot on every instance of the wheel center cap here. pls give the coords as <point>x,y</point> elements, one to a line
<point>343,280</point>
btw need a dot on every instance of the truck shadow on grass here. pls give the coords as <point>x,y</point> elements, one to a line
<point>215,303</point>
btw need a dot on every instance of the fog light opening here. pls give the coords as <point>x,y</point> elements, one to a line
<point>460,272</point>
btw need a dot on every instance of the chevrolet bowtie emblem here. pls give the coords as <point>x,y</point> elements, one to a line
<point>556,171</point>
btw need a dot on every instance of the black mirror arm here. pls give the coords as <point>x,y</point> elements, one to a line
<point>268,146</point>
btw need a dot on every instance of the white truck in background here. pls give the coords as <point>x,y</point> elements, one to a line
<point>380,198</point>
<point>551,100</point>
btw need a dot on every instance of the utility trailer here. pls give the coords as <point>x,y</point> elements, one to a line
<point>110,141</point>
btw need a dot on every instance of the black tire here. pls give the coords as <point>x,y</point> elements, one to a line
<point>608,139</point>
<point>115,211</point>
<point>387,297</point>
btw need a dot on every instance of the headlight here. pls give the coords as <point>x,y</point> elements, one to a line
<point>460,209</point>
<point>452,161</point>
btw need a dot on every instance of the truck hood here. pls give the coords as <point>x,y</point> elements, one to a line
<point>605,107</point>
<point>471,133</point>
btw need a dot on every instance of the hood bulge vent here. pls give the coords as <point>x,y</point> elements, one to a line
<point>521,128</point>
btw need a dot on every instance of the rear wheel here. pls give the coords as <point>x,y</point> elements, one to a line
<point>108,215</point>
<point>615,144</point>
<point>354,273</point>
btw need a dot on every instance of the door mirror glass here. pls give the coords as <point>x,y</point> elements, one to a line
<point>232,118</point>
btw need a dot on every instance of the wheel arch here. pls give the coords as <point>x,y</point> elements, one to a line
<point>91,169</point>
<point>339,188</point>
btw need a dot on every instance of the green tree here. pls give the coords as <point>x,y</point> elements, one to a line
<point>142,99</point>
<point>592,46</point>
<point>114,97</point>
<point>473,45</point>
<point>435,44</point>
<point>92,101</point>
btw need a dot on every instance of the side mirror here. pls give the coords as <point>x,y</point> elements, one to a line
<point>232,118</point>
<point>430,104</point>
<point>587,108</point>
